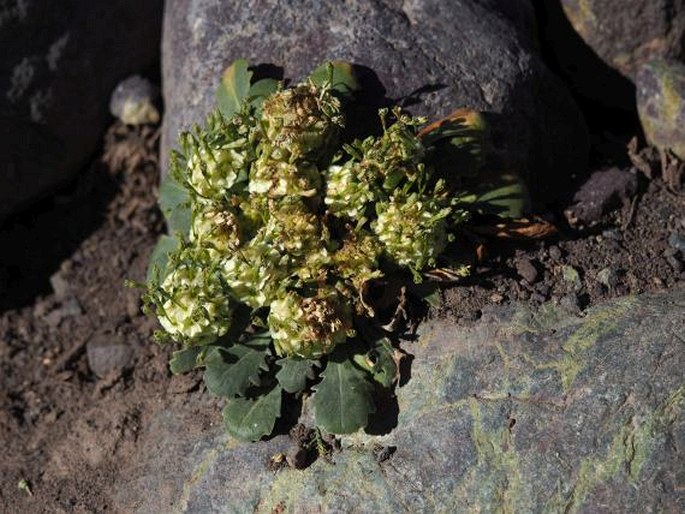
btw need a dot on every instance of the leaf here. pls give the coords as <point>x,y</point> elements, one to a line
<point>156,268</point>
<point>260,90</point>
<point>230,371</point>
<point>386,369</point>
<point>520,229</point>
<point>500,193</point>
<point>174,202</point>
<point>341,75</point>
<point>459,141</point>
<point>250,419</point>
<point>185,360</point>
<point>294,373</point>
<point>427,291</point>
<point>233,88</point>
<point>343,399</point>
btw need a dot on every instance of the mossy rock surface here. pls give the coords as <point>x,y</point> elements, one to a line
<point>528,411</point>
<point>661,105</point>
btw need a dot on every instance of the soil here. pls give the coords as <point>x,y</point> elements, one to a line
<point>69,435</point>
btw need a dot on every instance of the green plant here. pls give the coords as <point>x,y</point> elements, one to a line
<point>278,229</point>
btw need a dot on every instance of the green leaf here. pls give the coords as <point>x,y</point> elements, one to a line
<point>340,74</point>
<point>294,373</point>
<point>502,194</point>
<point>233,88</point>
<point>230,371</point>
<point>385,370</point>
<point>185,360</point>
<point>343,399</point>
<point>260,90</point>
<point>174,202</point>
<point>250,419</point>
<point>156,268</point>
<point>427,291</point>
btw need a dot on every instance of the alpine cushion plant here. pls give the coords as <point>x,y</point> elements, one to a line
<point>278,227</point>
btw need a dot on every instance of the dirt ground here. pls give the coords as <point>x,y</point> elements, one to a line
<point>70,433</point>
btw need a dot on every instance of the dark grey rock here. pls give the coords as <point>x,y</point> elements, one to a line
<point>677,242</point>
<point>469,53</point>
<point>603,191</point>
<point>133,101</point>
<point>628,34</point>
<point>108,353</point>
<point>527,270</point>
<point>58,66</point>
<point>529,411</point>
<point>661,105</point>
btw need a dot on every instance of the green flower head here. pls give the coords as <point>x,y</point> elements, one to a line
<point>309,327</point>
<point>301,123</point>
<point>349,190</point>
<point>281,179</point>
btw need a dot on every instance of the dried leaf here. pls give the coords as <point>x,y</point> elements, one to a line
<point>519,229</point>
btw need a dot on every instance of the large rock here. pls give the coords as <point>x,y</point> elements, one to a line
<point>474,53</point>
<point>59,63</point>
<point>528,411</point>
<point>629,33</point>
<point>661,105</point>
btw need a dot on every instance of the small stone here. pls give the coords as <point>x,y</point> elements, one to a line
<point>526,270</point>
<point>677,241</point>
<point>604,191</point>
<point>607,277</point>
<point>133,101</point>
<point>68,309</point>
<point>59,286</point>
<point>614,234</point>
<point>108,352</point>
<point>572,276</point>
<point>554,252</point>
<point>496,298</point>
<point>537,298</point>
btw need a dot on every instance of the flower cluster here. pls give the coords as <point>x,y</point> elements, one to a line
<point>291,222</point>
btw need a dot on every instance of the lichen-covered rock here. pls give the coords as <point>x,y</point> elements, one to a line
<point>527,411</point>
<point>661,105</point>
<point>59,63</point>
<point>629,33</point>
<point>464,53</point>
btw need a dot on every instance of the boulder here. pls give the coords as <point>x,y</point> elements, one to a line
<point>59,63</point>
<point>526,411</point>
<point>661,105</point>
<point>630,33</point>
<point>435,55</point>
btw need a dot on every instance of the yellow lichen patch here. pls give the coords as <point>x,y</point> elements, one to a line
<point>628,451</point>
<point>598,324</point>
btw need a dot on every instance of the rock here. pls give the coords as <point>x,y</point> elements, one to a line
<point>554,252</point>
<point>661,105</point>
<point>536,411</point>
<point>629,36</point>
<point>68,309</point>
<point>526,270</point>
<point>607,277</point>
<point>571,275</point>
<point>133,101</point>
<point>108,353</point>
<point>59,285</point>
<point>677,242</point>
<point>603,191</point>
<point>438,55</point>
<point>58,66</point>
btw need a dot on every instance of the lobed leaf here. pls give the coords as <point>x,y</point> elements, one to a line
<point>231,371</point>
<point>343,399</point>
<point>502,194</point>
<point>185,360</point>
<point>233,88</point>
<point>250,419</point>
<point>174,202</point>
<point>294,373</point>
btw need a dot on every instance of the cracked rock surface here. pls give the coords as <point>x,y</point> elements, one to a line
<point>527,411</point>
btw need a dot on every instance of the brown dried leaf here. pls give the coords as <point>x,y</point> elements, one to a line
<point>521,229</point>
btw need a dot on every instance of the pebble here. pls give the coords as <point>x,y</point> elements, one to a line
<point>570,302</point>
<point>675,263</point>
<point>554,252</point>
<point>70,308</point>
<point>496,298</point>
<point>527,270</point>
<point>614,234</point>
<point>59,286</point>
<point>571,275</point>
<point>108,352</point>
<point>607,277</point>
<point>537,297</point>
<point>133,101</point>
<point>677,241</point>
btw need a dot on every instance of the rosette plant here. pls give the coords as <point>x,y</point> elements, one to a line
<point>279,226</point>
